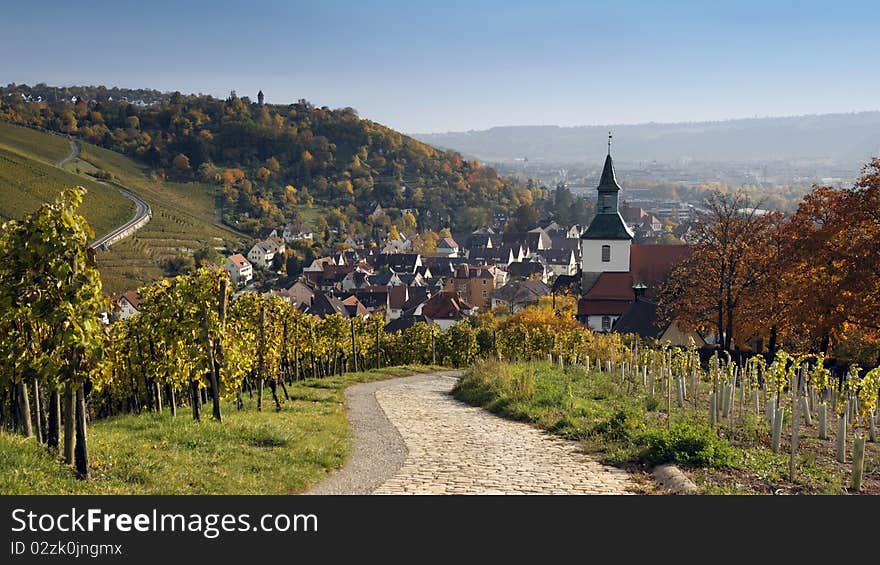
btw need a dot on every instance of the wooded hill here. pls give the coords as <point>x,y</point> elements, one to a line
<point>269,158</point>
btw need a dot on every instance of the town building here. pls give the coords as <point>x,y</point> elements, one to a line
<point>614,270</point>
<point>129,304</point>
<point>240,269</point>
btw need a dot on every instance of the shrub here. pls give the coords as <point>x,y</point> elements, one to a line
<point>686,444</point>
<point>621,426</point>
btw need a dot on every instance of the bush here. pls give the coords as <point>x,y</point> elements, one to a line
<point>686,444</point>
<point>622,426</point>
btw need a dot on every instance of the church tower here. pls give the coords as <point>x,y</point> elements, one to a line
<point>605,245</point>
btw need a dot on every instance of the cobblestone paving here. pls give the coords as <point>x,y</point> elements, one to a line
<point>458,449</point>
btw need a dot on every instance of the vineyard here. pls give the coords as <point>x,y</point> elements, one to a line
<point>739,427</point>
<point>183,213</point>
<point>197,352</point>
<point>29,177</point>
<point>183,221</point>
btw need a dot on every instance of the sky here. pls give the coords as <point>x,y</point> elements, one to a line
<point>424,66</point>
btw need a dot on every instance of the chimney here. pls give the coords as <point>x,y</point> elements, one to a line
<point>639,290</point>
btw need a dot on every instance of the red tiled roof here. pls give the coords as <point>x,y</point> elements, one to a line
<point>445,306</point>
<point>239,260</point>
<point>650,264</point>
<point>602,307</point>
<point>612,286</point>
<point>397,296</point>
<point>133,297</point>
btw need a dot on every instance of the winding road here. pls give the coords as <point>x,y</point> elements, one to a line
<point>412,437</point>
<point>143,213</point>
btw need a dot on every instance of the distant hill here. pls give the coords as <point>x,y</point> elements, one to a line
<point>848,139</point>
<point>270,159</point>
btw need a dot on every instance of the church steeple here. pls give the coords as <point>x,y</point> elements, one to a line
<point>608,182</point>
<point>608,224</point>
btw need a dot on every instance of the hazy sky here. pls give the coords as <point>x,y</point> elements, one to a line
<point>441,65</point>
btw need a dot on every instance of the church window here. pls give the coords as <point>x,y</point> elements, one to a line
<point>606,253</point>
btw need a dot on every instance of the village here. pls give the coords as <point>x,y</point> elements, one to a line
<point>615,266</point>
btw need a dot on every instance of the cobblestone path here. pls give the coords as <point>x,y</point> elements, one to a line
<point>458,449</point>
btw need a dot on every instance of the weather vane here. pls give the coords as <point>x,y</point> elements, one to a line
<point>609,143</point>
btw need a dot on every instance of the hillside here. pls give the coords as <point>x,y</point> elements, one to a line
<point>29,176</point>
<point>848,139</point>
<point>183,221</point>
<point>270,160</point>
<point>183,213</point>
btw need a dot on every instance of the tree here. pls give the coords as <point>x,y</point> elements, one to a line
<point>427,242</point>
<point>563,203</point>
<point>831,243</point>
<point>263,174</point>
<point>206,256</point>
<point>181,163</point>
<point>524,218</point>
<point>717,286</point>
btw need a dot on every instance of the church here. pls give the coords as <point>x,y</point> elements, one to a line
<point>621,280</point>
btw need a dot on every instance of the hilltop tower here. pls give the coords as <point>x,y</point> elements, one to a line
<point>605,245</point>
<point>260,98</point>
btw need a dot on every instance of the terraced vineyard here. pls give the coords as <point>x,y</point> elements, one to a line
<point>183,220</point>
<point>183,213</point>
<point>33,143</point>
<point>29,177</point>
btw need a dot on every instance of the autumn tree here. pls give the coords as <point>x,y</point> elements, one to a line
<point>181,163</point>
<point>717,286</point>
<point>832,249</point>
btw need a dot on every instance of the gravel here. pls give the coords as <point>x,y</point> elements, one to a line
<point>379,451</point>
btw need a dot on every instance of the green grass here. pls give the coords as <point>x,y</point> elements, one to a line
<point>251,452</point>
<point>591,407</point>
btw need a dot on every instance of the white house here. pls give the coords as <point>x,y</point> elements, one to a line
<point>239,268</point>
<point>277,244</point>
<point>560,261</point>
<point>299,232</point>
<point>129,304</point>
<point>446,308</point>
<point>448,247</point>
<point>262,254</point>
